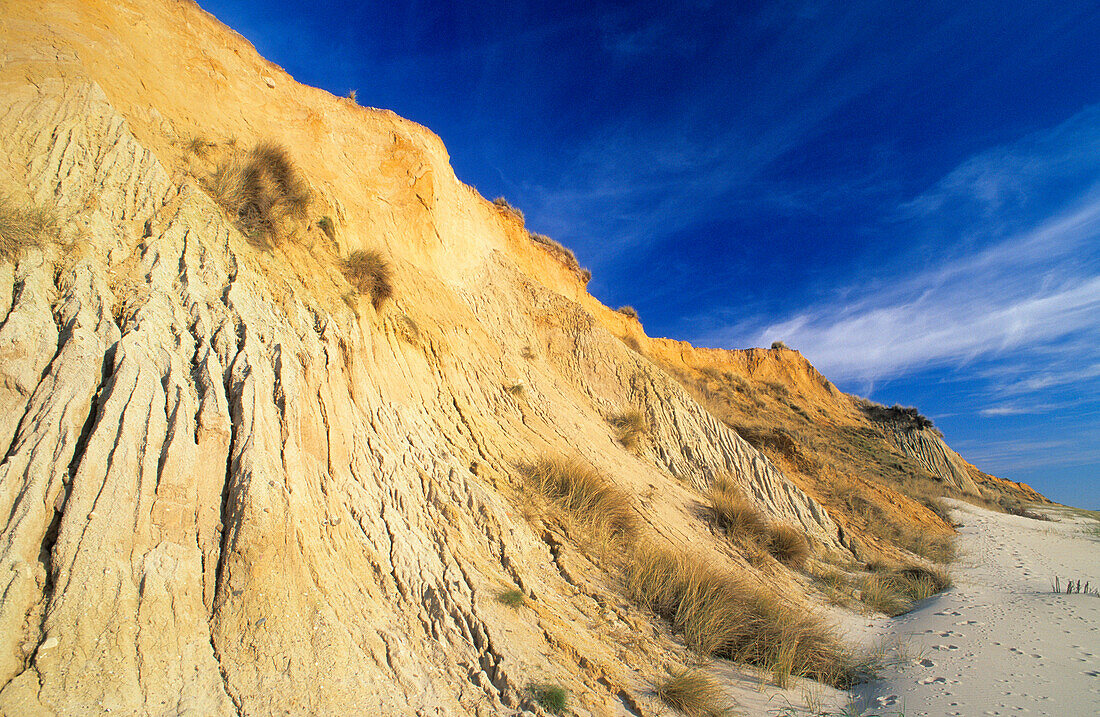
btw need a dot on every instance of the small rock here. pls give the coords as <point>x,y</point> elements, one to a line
<point>48,644</point>
<point>269,81</point>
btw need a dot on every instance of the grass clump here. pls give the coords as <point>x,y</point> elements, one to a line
<point>630,427</point>
<point>780,345</point>
<point>587,495</point>
<point>552,698</point>
<point>788,545</point>
<point>893,590</point>
<point>23,227</point>
<point>722,615</point>
<point>263,193</point>
<point>628,311</point>
<point>561,252</point>
<point>513,598</point>
<point>732,512</point>
<point>693,693</point>
<point>371,275</point>
<point>505,206</point>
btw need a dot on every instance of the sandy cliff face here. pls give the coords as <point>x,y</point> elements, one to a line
<point>232,485</point>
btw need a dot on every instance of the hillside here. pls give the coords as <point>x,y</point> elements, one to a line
<point>241,479</point>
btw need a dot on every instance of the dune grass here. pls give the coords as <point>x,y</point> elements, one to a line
<point>513,598</point>
<point>630,427</point>
<point>552,698</point>
<point>368,271</point>
<point>23,227</point>
<point>586,494</point>
<point>894,590</point>
<point>693,693</point>
<point>263,192</point>
<point>739,518</point>
<point>720,614</point>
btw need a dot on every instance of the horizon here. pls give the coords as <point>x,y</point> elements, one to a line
<point>910,200</point>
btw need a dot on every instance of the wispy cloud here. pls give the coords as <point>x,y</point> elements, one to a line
<point>1030,290</point>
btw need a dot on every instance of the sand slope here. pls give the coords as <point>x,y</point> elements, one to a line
<point>1000,642</point>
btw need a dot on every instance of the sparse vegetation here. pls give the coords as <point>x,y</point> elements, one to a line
<point>560,251</point>
<point>780,345</point>
<point>513,598</point>
<point>628,311</point>
<point>550,697</point>
<point>325,224</point>
<point>694,693</point>
<point>893,590</point>
<point>514,389</point>
<point>587,495</point>
<point>263,193</point>
<point>23,227</point>
<point>788,545</point>
<point>732,512</point>
<point>505,206</point>
<point>369,272</point>
<point>630,427</point>
<point>353,97</point>
<point>722,615</point>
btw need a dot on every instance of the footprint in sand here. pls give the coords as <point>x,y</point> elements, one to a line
<point>945,647</point>
<point>926,663</point>
<point>934,681</point>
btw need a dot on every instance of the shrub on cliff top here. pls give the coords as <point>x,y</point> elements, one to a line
<point>628,311</point>
<point>504,205</point>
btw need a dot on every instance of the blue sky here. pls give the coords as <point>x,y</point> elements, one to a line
<point>908,195</point>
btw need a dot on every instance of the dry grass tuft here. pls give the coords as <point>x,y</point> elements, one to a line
<point>732,512</point>
<point>552,698</point>
<point>722,615</point>
<point>893,590</point>
<point>264,193</point>
<point>587,495</point>
<point>369,272</point>
<point>23,227</point>
<point>788,545</point>
<point>693,693</point>
<point>630,427</point>
<point>559,250</point>
<point>505,206</point>
<point>513,598</point>
<point>628,311</point>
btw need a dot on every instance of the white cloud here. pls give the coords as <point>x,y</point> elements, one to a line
<point>1020,295</point>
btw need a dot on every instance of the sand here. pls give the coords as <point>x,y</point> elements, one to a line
<point>999,642</point>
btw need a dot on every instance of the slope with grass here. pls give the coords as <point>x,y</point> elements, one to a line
<point>293,421</point>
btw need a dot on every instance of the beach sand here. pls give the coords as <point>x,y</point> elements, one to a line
<point>999,642</point>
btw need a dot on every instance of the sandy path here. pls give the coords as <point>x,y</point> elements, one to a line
<point>999,642</point>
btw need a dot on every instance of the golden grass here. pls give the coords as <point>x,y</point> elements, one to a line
<point>505,206</point>
<point>630,427</point>
<point>722,615</point>
<point>587,495</point>
<point>263,193</point>
<point>894,590</point>
<point>369,272</point>
<point>788,545</point>
<point>693,693</point>
<point>628,311</point>
<point>22,228</point>
<point>732,512</point>
<point>559,250</point>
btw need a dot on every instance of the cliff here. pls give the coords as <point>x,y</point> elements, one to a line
<point>236,485</point>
